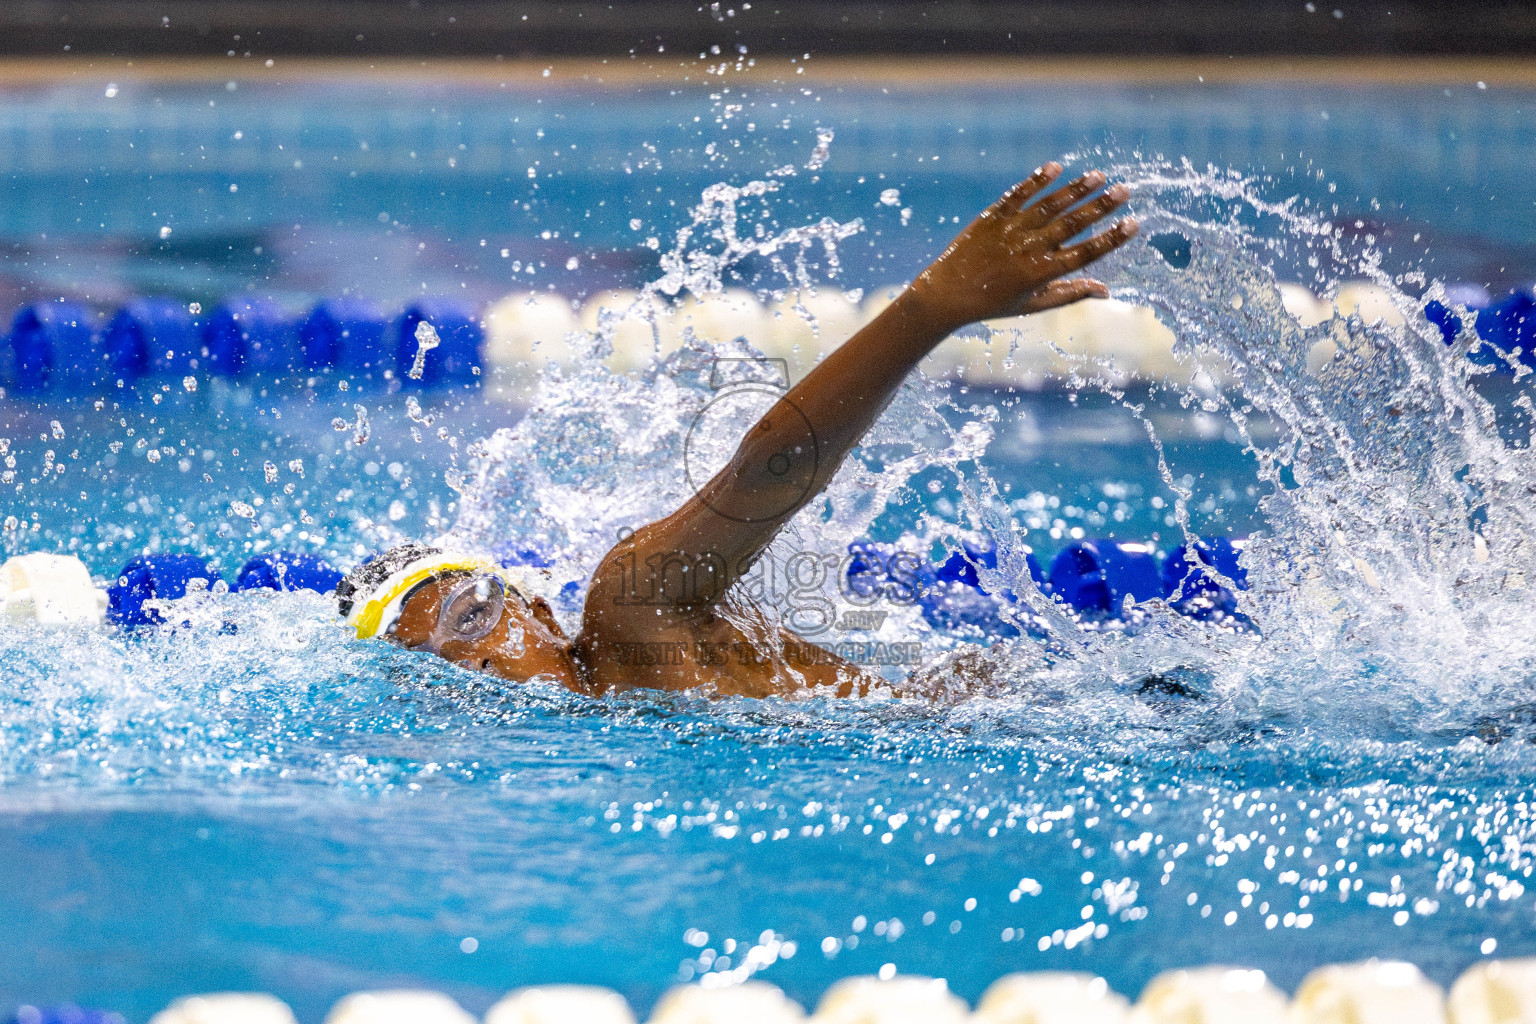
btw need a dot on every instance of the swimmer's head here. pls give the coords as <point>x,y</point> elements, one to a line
<point>463,609</point>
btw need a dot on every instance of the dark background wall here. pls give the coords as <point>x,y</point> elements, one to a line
<point>527,28</point>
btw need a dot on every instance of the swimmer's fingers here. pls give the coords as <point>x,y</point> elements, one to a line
<point>1072,257</point>
<point>1014,199</point>
<point>1047,209</point>
<point>1064,293</point>
<point>1071,223</point>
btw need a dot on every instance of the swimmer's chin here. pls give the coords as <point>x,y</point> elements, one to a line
<point>565,677</point>
<point>494,674</point>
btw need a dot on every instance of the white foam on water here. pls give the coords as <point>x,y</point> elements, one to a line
<point>1389,581</point>
<point>1386,590</point>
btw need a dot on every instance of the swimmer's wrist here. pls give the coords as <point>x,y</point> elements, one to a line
<point>917,311</point>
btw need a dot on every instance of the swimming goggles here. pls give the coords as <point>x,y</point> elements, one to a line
<point>376,613</point>
<point>469,612</point>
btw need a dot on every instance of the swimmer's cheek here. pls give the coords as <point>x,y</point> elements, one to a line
<point>524,669</point>
<point>520,651</point>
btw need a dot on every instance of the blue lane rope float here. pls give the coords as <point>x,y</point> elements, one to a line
<point>523,554</point>
<point>63,1013</point>
<point>1510,323</point>
<point>52,346</point>
<point>961,565</point>
<point>967,611</point>
<point>57,347</point>
<point>1439,314</point>
<point>163,577</point>
<point>961,602</point>
<point>64,348</point>
<point>1093,577</point>
<point>1096,576</point>
<point>168,577</point>
<point>349,334</point>
<point>155,335</point>
<point>251,337</point>
<point>1444,318</point>
<point>287,570</point>
<point>1200,595</point>
<point>951,595</point>
<point>886,571</point>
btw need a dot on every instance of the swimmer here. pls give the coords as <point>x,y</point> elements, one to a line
<point>660,611</point>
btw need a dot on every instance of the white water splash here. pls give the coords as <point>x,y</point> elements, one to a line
<point>1387,589</point>
<point>1390,583</point>
<point>601,452</point>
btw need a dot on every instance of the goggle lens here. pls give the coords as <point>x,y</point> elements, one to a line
<point>472,609</point>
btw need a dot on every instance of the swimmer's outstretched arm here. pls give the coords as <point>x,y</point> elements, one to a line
<point>1013,259</point>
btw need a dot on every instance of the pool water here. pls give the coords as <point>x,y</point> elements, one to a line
<point>391,183</point>
<point>252,800</point>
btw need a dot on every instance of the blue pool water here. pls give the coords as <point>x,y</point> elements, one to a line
<point>255,801</point>
<point>294,187</point>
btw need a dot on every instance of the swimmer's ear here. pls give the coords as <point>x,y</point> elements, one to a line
<point>544,615</point>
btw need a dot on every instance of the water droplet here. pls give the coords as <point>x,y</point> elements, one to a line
<point>426,341</point>
<point>823,150</point>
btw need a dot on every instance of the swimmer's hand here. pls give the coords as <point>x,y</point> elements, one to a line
<point>1013,258</point>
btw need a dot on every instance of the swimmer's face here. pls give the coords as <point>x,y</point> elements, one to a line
<point>526,641</point>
